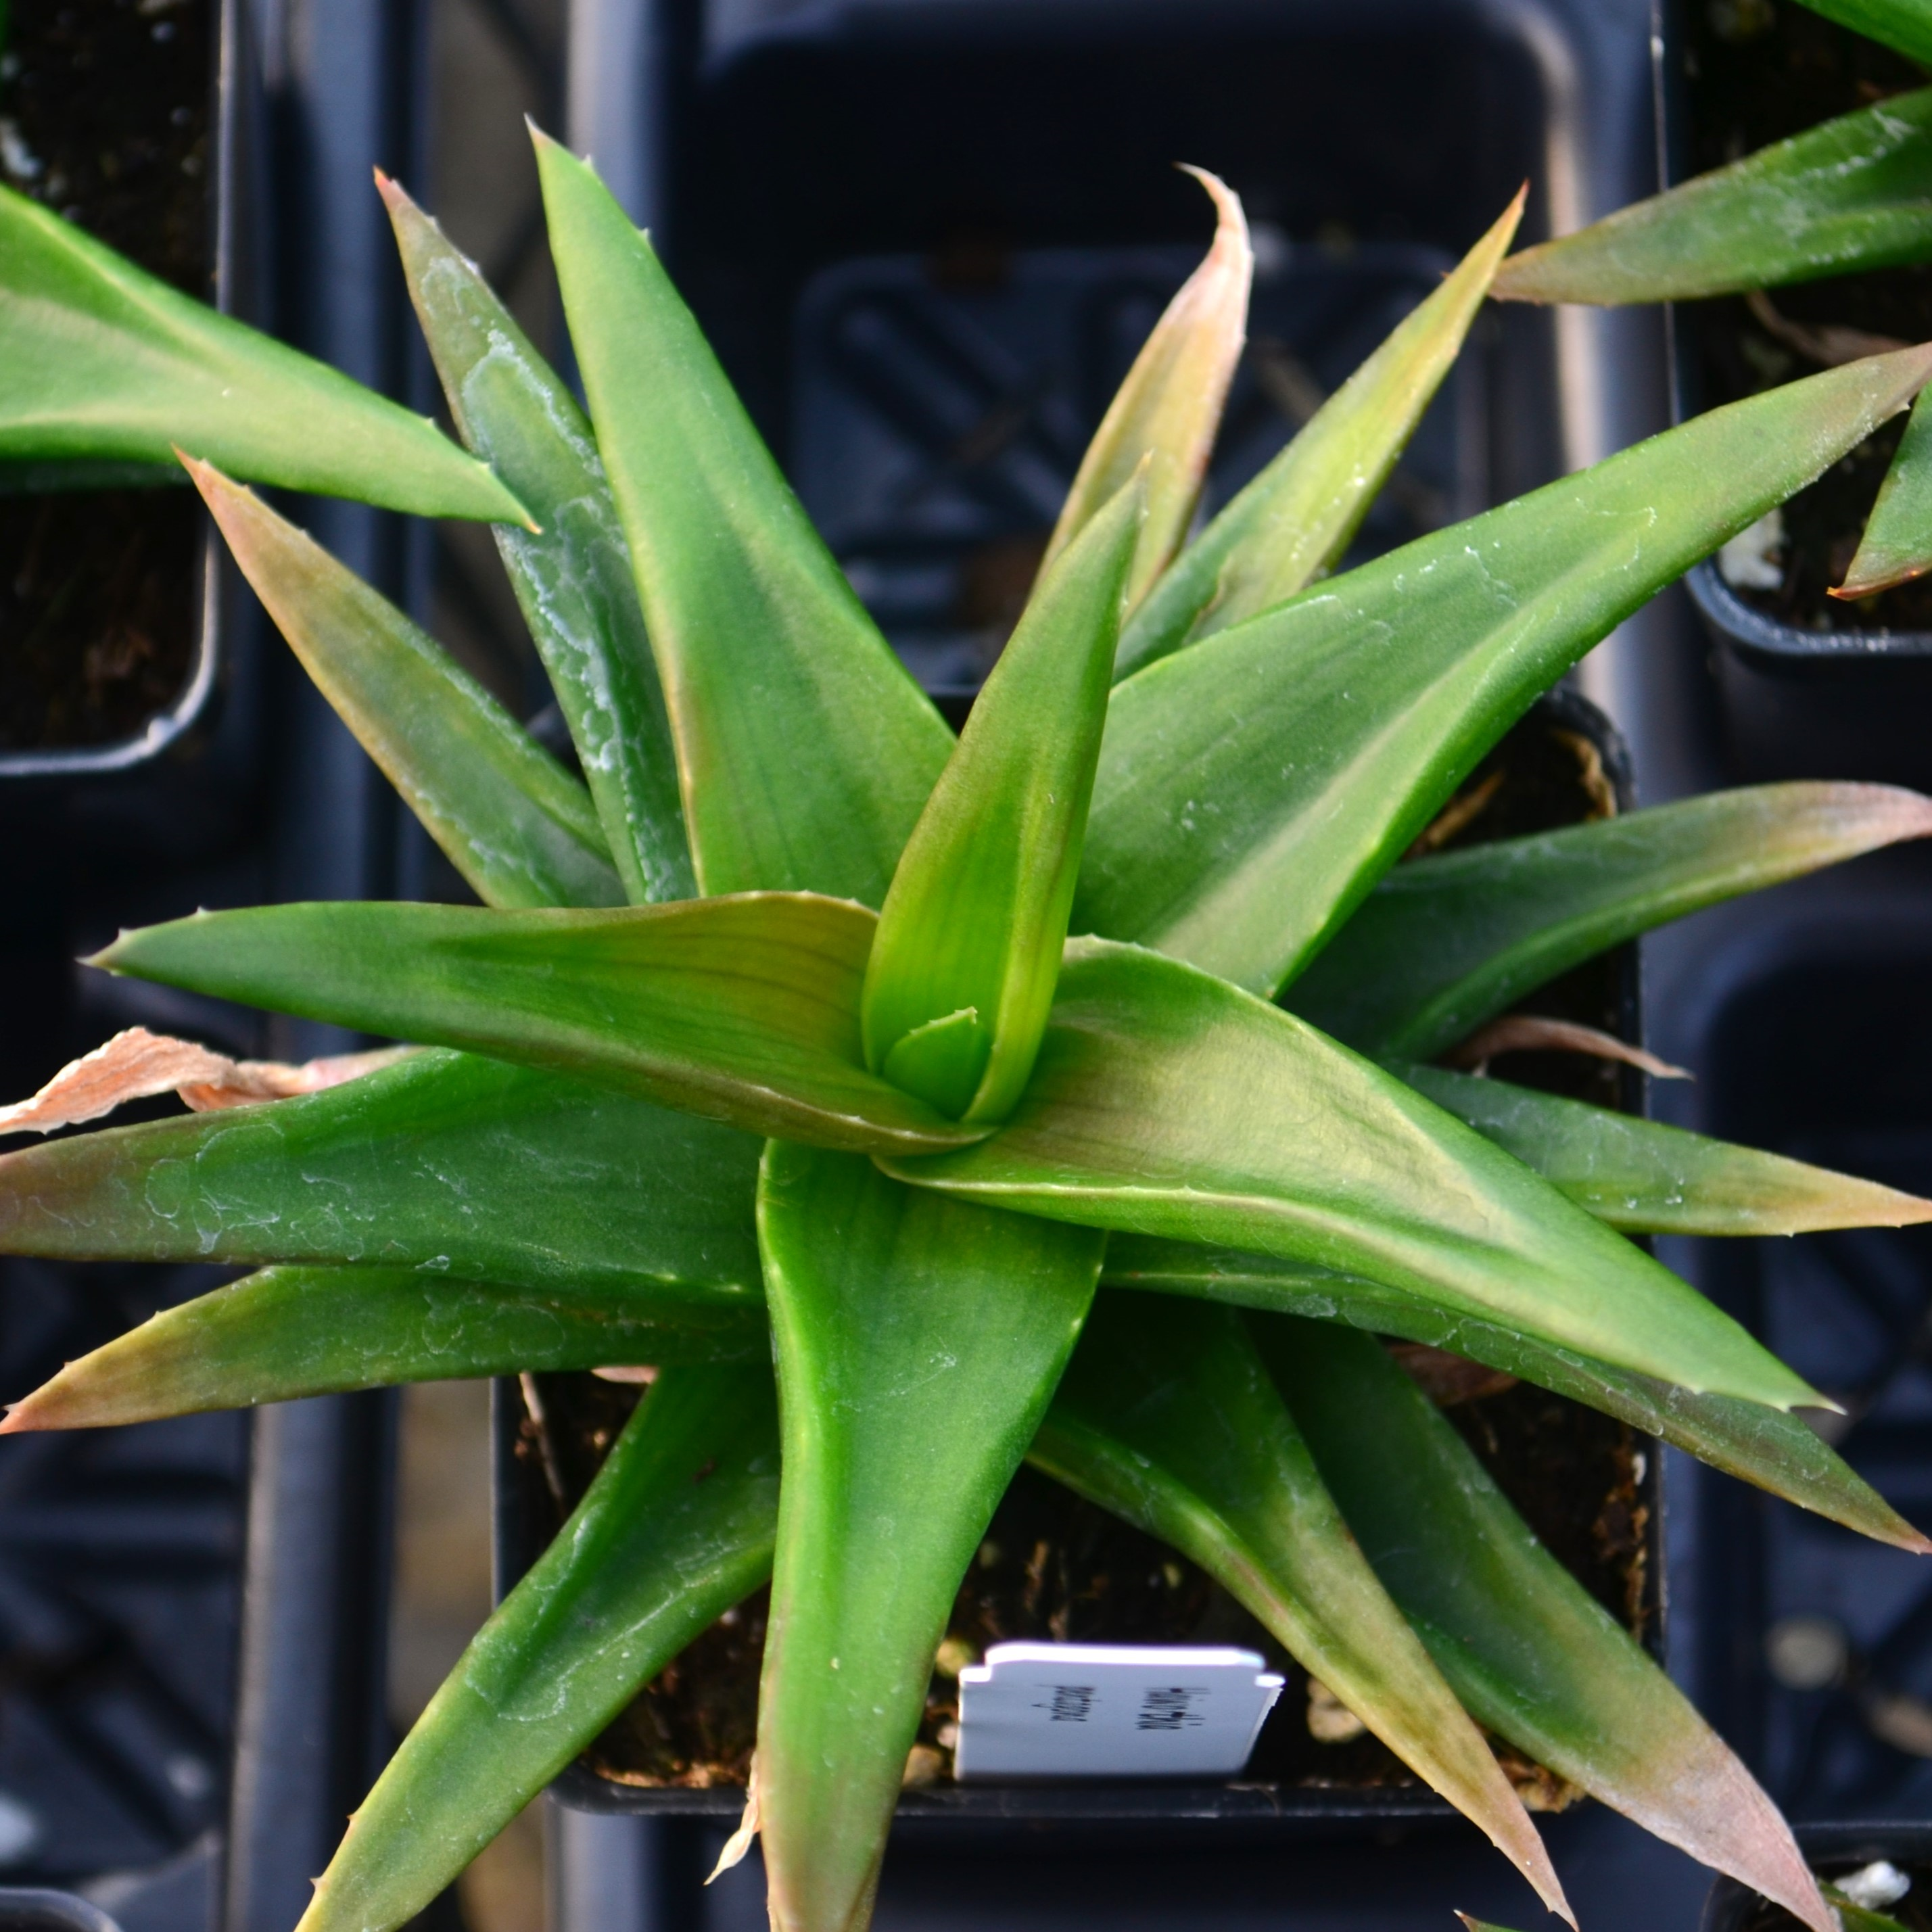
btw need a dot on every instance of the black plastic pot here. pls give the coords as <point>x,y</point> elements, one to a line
<point>1841,702</point>
<point>923,237</point>
<point>236,286</point>
<point>1247,1809</point>
<point>22,1910</point>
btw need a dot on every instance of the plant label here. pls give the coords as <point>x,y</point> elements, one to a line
<point>1106,1710</point>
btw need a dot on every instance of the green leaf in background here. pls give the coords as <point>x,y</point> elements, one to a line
<point>289,1332</point>
<point>918,1341</point>
<point>805,750</point>
<point>744,1010</point>
<point>1162,422</point>
<point>676,1529</point>
<point>1776,1451</point>
<point>1854,193</point>
<point>1167,1417</point>
<point>1292,522</point>
<point>1896,545</point>
<point>1903,24</point>
<point>976,916</point>
<point>1646,1178</point>
<point>1167,1103</point>
<point>101,361</point>
<point>1853,1918</point>
<point>1253,787</point>
<point>512,820</point>
<point>446,1163</point>
<point>1447,942</point>
<point>1527,1648</point>
<point>573,577</point>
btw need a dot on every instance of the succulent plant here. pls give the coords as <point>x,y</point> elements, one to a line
<point>770,1045</point>
<point>1854,193</point>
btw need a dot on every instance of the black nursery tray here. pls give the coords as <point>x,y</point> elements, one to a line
<point>1812,1645</point>
<point>1054,1567</point>
<point>940,408</point>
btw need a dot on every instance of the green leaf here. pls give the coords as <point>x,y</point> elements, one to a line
<point>445,1163</point>
<point>942,1061</point>
<point>572,578</point>
<point>1253,787</point>
<point>289,1332</point>
<point>1896,545</point>
<point>918,1341</point>
<point>1903,24</point>
<point>676,1529</point>
<point>1292,522</point>
<point>1445,942</point>
<point>1646,1178</point>
<point>101,361</point>
<point>744,1010</point>
<point>1856,1918</point>
<point>514,822</point>
<point>971,933</point>
<point>806,752</point>
<point>1778,1452</point>
<point>1854,193</point>
<point>1167,1102</point>
<point>1162,423</point>
<point>1526,1647</point>
<point>1167,1417</point>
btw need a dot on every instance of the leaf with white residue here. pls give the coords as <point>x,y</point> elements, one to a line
<point>287,1333</point>
<point>572,578</point>
<point>512,820</point>
<point>1853,193</point>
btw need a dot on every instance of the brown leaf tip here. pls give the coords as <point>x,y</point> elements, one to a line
<point>1858,583</point>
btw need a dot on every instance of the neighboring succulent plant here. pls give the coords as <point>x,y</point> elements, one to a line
<point>770,1042</point>
<point>1852,194</point>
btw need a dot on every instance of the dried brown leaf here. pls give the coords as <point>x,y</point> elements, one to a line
<point>1533,1032</point>
<point>136,1065</point>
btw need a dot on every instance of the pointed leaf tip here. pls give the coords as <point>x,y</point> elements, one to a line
<point>1168,1418</point>
<point>1169,407</point>
<point>1896,548</point>
<point>806,750</point>
<point>1848,194</point>
<point>572,579</point>
<point>1295,520</point>
<point>521,829</point>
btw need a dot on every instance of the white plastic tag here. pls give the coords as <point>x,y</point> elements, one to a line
<point>1106,1710</point>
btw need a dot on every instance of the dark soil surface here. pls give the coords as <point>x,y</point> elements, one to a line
<point>104,108</point>
<point>1756,71</point>
<point>1053,1567</point>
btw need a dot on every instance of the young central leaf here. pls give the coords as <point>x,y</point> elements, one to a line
<point>963,970</point>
